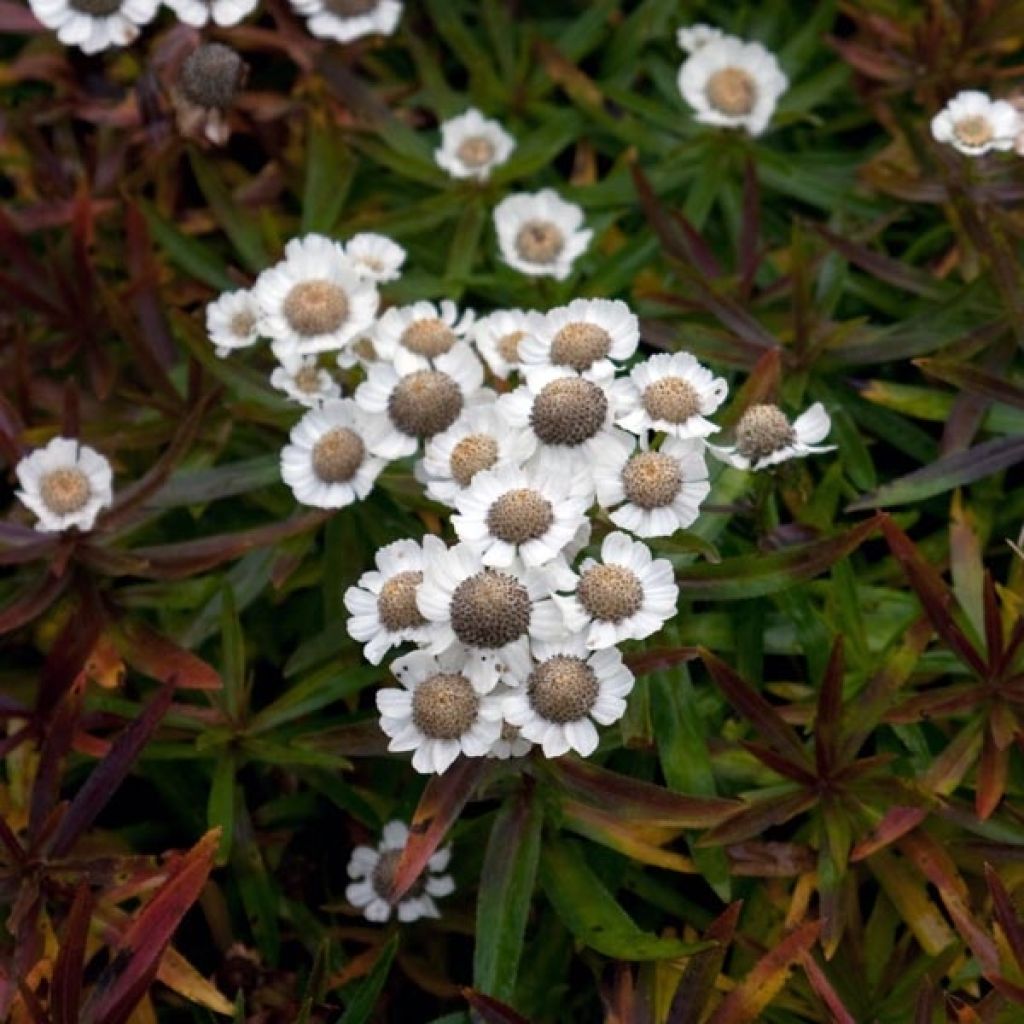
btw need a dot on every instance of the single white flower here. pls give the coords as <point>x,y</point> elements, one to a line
<point>589,336</point>
<point>304,380</point>
<point>373,873</point>
<point>359,351</point>
<point>492,613</point>
<point>480,439</point>
<point>412,337</point>
<point>653,493</point>
<point>347,20</point>
<point>233,321</point>
<point>438,712</point>
<point>764,437</point>
<point>329,462</point>
<point>499,335</point>
<point>511,743</point>
<point>375,257</point>
<point>412,407</point>
<point>313,300</point>
<point>221,12</point>
<point>95,25</point>
<point>693,37</point>
<point>540,234</point>
<point>628,595</point>
<point>569,688</point>
<point>472,146</point>
<point>65,484</point>
<point>733,83</point>
<point>670,393</point>
<point>382,604</point>
<point>973,123</point>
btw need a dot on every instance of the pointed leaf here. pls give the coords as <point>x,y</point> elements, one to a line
<point>690,1002</point>
<point>360,1009</point>
<point>66,995</point>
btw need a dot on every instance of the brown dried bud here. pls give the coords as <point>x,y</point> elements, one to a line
<point>212,75</point>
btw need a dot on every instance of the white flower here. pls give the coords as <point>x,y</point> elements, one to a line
<point>313,300</point>
<point>671,393</point>
<point>412,337</point>
<point>764,437</point>
<point>65,484</point>
<point>499,335</point>
<point>375,257</point>
<point>480,439</point>
<point>693,37</point>
<point>233,321</point>
<point>95,25</point>
<point>569,688</point>
<point>540,234</point>
<point>658,492</point>
<point>589,336</point>
<point>974,123</point>
<point>438,712</point>
<point>492,613</point>
<point>359,351</point>
<point>410,407</point>
<point>373,873</point>
<point>511,742</point>
<point>329,463</point>
<point>733,83</point>
<point>348,20</point>
<point>628,595</point>
<point>383,603</point>
<point>472,146</point>
<point>509,513</point>
<point>222,12</point>
<point>302,379</point>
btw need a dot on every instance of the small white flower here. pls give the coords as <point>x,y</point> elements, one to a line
<point>412,407</point>
<point>733,83</point>
<point>439,713</point>
<point>693,37</point>
<point>375,257</point>
<point>222,12</point>
<point>348,20</point>
<point>313,300</point>
<point>657,492</point>
<point>480,439</point>
<point>589,336</point>
<point>511,743</point>
<point>509,513</point>
<point>569,688</point>
<point>540,234</point>
<point>671,393</point>
<point>95,25</point>
<point>764,437</point>
<point>412,337</point>
<point>973,123</point>
<point>373,874</point>
<point>233,321</point>
<point>499,335</point>
<point>628,595</point>
<point>329,463</point>
<point>383,603</point>
<point>302,379</point>
<point>65,484</point>
<point>472,146</point>
<point>359,351</point>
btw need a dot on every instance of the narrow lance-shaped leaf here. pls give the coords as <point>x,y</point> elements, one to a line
<point>489,1010</point>
<point>66,993</point>
<point>360,1009</point>
<point>697,983</point>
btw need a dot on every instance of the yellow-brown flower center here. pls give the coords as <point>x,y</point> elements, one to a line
<point>671,399</point>
<point>763,429</point>
<point>732,91</point>
<point>508,346</point>
<point>476,151</point>
<point>579,345</point>
<point>338,455</point>
<point>563,689</point>
<point>425,403</point>
<point>610,593</point>
<point>973,130</point>
<point>520,515</point>
<point>243,323</point>
<point>430,337</point>
<point>445,706</point>
<point>540,241</point>
<point>316,307</point>
<point>65,490</point>
<point>396,602</point>
<point>568,411</point>
<point>652,479</point>
<point>472,455</point>
<point>307,379</point>
<point>96,8</point>
<point>490,609</point>
<point>351,8</point>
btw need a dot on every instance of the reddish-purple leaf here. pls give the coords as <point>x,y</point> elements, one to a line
<point>56,746</point>
<point>750,229</point>
<point>159,657</point>
<point>1006,915</point>
<point>830,709</point>
<point>66,996</point>
<point>690,1001</point>
<point>32,602</point>
<point>781,765</point>
<point>839,1014</point>
<point>491,1010</point>
<point>759,815</point>
<point>991,782</point>
<point>897,822</point>
<point>640,663</point>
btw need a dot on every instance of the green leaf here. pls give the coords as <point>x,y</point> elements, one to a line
<point>189,254</point>
<point>221,805</point>
<point>316,691</point>
<point>330,169</point>
<point>360,1009</point>
<point>232,655</point>
<point>465,245</point>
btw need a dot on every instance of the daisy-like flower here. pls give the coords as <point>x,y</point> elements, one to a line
<point>628,595</point>
<point>375,257</point>
<point>328,462</point>
<point>480,439</point>
<point>348,20</point>
<point>732,83</point>
<point>511,742</point>
<point>499,335</point>
<point>65,484</point>
<point>589,336</point>
<point>373,874</point>
<point>95,25</point>
<point>671,393</point>
<point>359,351</point>
<point>233,321</point>
<point>313,300</point>
<point>569,688</point>
<point>412,337</point>
<point>472,146</point>
<point>540,234</point>
<point>438,712</point>
<point>411,407</point>
<point>657,492</point>
<point>974,123</point>
<point>383,603</point>
<point>492,613</point>
<point>510,513</point>
<point>693,37</point>
<point>764,437</point>
<point>220,12</point>
<point>304,380</point>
